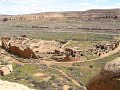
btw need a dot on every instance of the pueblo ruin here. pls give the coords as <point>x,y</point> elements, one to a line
<point>28,48</point>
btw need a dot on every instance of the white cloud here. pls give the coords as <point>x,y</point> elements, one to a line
<point>101,1</point>
<point>37,6</point>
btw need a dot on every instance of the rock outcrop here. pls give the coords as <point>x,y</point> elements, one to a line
<point>5,70</point>
<point>89,15</point>
<point>101,15</point>
<point>108,78</point>
<point>5,85</point>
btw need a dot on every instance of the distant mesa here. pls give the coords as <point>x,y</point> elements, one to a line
<point>89,15</point>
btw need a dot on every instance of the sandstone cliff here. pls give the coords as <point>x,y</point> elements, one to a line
<point>89,15</point>
<point>108,79</point>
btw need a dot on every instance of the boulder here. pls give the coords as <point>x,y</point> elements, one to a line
<point>5,70</point>
<point>108,78</point>
<point>5,85</point>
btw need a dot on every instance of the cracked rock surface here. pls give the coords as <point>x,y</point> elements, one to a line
<point>108,78</point>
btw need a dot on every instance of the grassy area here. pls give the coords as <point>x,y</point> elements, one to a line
<point>25,75</point>
<point>81,72</point>
<point>84,71</point>
<point>72,36</point>
<point>21,74</point>
<point>55,28</point>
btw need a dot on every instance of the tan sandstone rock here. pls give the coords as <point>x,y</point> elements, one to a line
<point>108,78</point>
<point>5,85</point>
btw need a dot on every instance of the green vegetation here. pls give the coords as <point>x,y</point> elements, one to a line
<point>84,71</point>
<point>21,74</point>
<point>24,74</point>
<point>59,30</point>
<point>72,36</point>
<point>81,72</point>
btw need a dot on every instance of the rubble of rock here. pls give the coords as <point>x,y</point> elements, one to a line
<point>37,48</point>
<point>73,54</point>
<point>29,48</point>
<point>6,69</point>
<point>5,85</point>
<point>108,78</point>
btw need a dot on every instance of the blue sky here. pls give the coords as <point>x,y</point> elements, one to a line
<point>36,6</point>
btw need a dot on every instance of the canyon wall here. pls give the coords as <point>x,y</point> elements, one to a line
<point>99,14</point>
<point>43,16</point>
<point>89,15</point>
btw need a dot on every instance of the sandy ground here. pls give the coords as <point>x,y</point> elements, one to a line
<point>66,87</point>
<point>5,85</point>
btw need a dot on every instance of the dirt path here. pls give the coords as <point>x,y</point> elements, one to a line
<point>8,57</point>
<point>107,54</point>
<point>64,63</point>
<point>16,61</point>
<point>101,57</point>
<point>64,74</point>
<point>69,78</point>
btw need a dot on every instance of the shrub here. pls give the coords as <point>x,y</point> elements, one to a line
<point>91,66</point>
<point>5,19</point>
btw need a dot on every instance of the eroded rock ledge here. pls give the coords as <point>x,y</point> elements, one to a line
<point>5,85</point>
<point>89,15</point>
<point>108,78</point>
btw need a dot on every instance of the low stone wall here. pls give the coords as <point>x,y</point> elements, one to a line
<point>26,53</point>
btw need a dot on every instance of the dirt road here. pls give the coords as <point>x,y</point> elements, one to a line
<point>69,78</point>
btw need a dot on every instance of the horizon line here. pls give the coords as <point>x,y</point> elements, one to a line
<point>57,11</point>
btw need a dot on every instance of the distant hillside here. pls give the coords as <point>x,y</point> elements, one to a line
<point>89,15</point>
<point>102,21</point>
